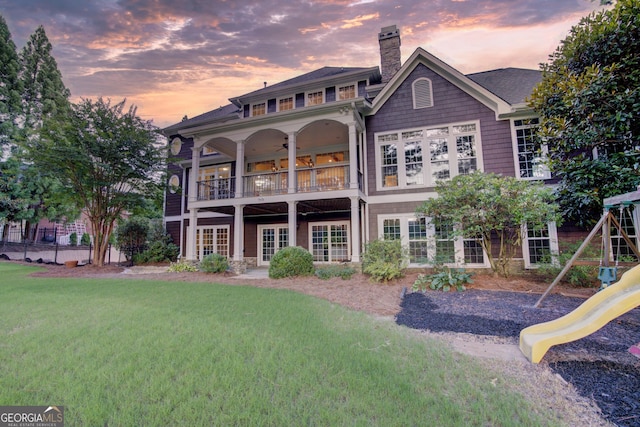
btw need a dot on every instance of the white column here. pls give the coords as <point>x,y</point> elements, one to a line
<point>293,223</point>
<point>195,170</point>
<point>353,156</point>
<point>292,162</point>
<point>238,233</point>
<point>355,229</point>
<point>239,169</point>
<point>191,237</point>
<point>193,196</point>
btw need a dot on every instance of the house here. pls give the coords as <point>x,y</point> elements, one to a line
<point>334,158</point>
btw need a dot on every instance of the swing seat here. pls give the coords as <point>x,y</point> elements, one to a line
<point>606,275</point>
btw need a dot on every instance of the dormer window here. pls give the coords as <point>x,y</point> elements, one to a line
<point>422,93</point>
<point>346,92</point>
<point>315,98</point>
<point>285,104</point>
<point>258,109</point>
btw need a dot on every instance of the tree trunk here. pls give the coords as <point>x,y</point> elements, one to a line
<point>102,233</point>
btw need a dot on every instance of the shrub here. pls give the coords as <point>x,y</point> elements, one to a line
<point>85,240</point>
<point>73,239</point>
<point>344,272</point>
<point>384,260</point>
<point>182,266</point>
<point>578,275</point>
<point>214,263</point>
<point>444,279</point>
<point>290,262</point>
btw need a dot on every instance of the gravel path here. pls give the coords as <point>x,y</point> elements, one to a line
<point>598,366</point>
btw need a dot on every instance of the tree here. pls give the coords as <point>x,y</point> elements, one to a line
<point>107,159</point>
<point>483,206</point>
<point>10,88</point>
<point>589,104</point>
<point>44,94</point>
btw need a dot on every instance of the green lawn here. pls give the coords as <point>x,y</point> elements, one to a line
<point>136,352</point>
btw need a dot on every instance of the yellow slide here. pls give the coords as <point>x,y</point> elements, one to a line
<point>593,314</point>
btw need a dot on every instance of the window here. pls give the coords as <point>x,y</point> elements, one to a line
<point>540,245</point>
<point>212,240</point>
<point>529,162</point>
<point>258,109</point>
<point>346,92</point>
<point>422,93</point>
<point>329,242</point>
<point>285,104</point>
<point>428,155</point>
<point>214,182</point>
<point>429,241</point>
<point>271,239</point>
<point>388,150</point>
<point>315,98</point>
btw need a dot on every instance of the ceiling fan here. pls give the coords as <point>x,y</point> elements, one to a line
<point>285,146</point>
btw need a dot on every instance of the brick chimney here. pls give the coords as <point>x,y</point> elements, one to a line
<point>390,63</point>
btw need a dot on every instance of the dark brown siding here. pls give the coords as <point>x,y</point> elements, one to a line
<point>387,209</point>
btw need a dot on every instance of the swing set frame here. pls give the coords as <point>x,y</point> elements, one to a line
<point>606,273</point>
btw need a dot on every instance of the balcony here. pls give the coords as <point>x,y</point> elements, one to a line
<point>275,183</point>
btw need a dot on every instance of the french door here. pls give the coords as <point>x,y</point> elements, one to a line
<point>271,238</point>
<point>212,240</point>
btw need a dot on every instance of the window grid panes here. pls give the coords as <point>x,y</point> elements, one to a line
<point>258,109</point>
<point>391,229</point>
<point>418,244</point>
<point>346,92</point>
<point>539,245</point>
<point>389,155</point>
<point>315,98</point>
<point>452,150</point>
<point>473,253</point>
<point>530,162</point>
<point>445,246</point>
<point>285,104</point>
<point>330,242</point>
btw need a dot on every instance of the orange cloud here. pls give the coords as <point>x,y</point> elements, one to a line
<point>358,21</point>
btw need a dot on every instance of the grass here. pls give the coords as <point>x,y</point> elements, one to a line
<point>136,352</point>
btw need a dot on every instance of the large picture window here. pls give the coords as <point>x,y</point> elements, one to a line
<point>428,242</point>
<point>421,157</point>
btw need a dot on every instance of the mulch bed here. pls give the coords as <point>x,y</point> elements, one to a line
<point>598,366</point>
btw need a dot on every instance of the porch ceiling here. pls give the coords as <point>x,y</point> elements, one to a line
<point>303,207</point>
<point>269,141</point>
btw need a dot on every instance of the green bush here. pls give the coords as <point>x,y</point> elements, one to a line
<point>73,239</point>
<point>344,272</point>
<point>159,251</point>
<point>444,279</point>
<point>578,275</point>
<point>182,266</point>
<point>85,240</point>
<point>214,263</point>
<point>290,262</point>
<point>384,260</point>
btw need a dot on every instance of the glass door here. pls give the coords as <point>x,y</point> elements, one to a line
<point>271,238</point>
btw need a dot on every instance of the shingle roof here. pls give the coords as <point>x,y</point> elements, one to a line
<point>321,73</point>
<point>229,110</point>
<point>513,85</point>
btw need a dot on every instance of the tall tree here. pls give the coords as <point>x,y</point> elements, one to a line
<point>589,104</point>
<point>107,158</point>
<point>489,208</point>
<point>10,88</point>
<point>44,94</point>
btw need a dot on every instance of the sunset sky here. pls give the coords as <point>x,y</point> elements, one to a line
<point>173,58</point>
